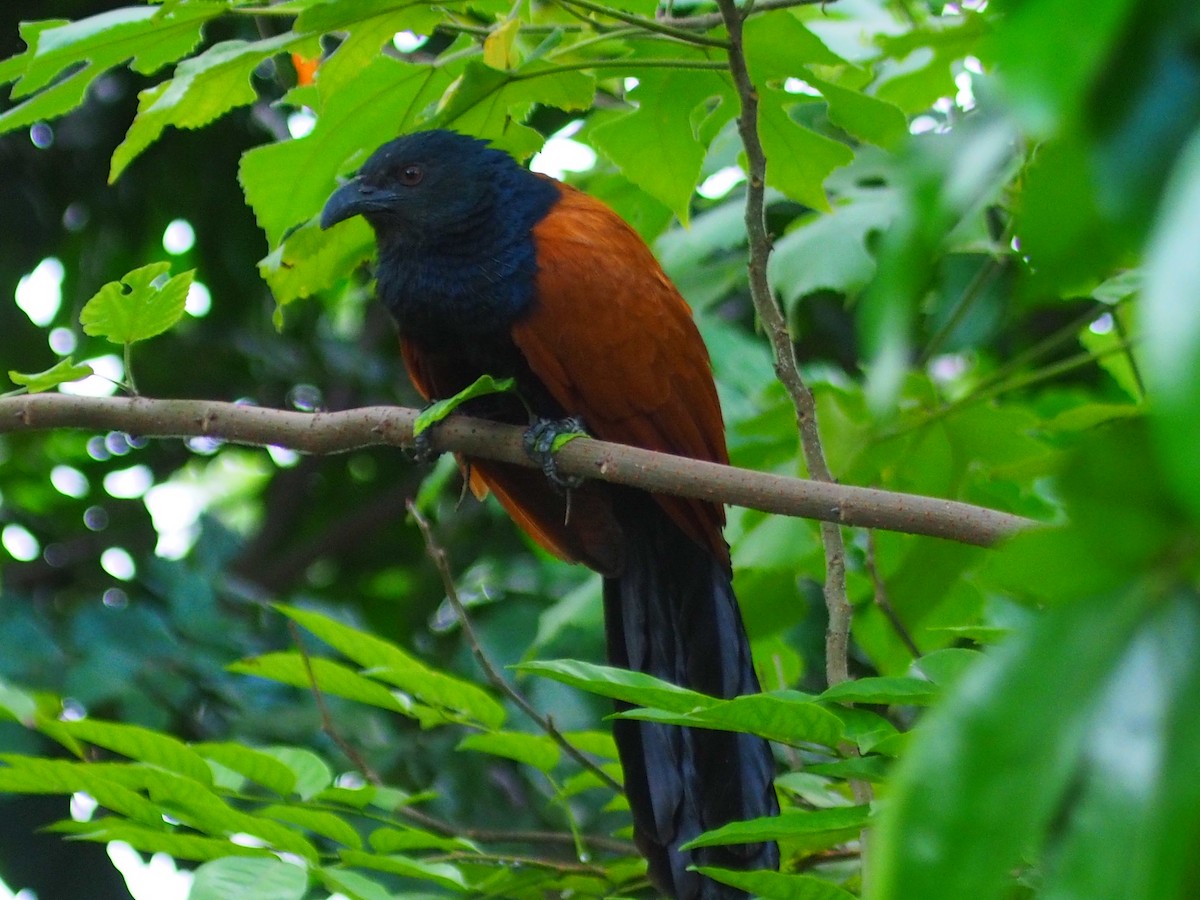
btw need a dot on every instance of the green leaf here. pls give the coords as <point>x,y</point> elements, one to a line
<point>779,46</point>
<point>387,662</point>
<point>1167,837</point>
<point>619,684</point>
<point>256,765</point>
<point>919,71</point>
<point>354,885</point>
<point>204,87</point>
<point>655,146</point>
<point>493,104</point>
<point>1110,846</point>
<point>391,799</point>
<point>366,26</point>
<point>998,751</point>
<point>805,158</point>
<point>773,543</point>
<point>857,768</point>
<point>143,745</point>
<point>354,798</point>
<point>288,183</point>
<point>1067,252</point>
<point>1106,349</point>
<point>290,667</point>
<point>312,774</point>
<point>565,437</point>
<point>355,15</point>
<point>198,807</point>
<point>143,311</point>
<point>802,265</point>
<point>721,228</point>
<point>587,780</point>
<point>317,821</point>
<point>536,750</point>
<point>1050,63</point>
<point>248,879</point>
<point>543,84</point>
<point>859,115</point>
<point>29,775</point>
<point>788,824</point>
<point>864,727</point>
<point>392,840</point>
<point>442,874</point>
<point>944,667</point>
<point>311,259</point>
<point>778,886</point>
<point>18,704</point>
<point>480,387</point>
<point>898,690</point>
<point>151,840</point>
<point>597,743</point>
<point>63,371</point>
<point>1118,528</point>
<point>784,716</point>
<point>150,36</point>
<point>1171,321</point>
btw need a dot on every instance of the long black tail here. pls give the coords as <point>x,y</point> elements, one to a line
<point>672,613</point>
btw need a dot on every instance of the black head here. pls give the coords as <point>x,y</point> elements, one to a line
<point>425,185</point>
<point>453,220</point>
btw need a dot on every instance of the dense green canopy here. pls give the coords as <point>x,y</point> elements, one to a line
<point>985,241</point>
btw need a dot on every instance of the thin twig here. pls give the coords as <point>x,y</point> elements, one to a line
<point>653,25</point>
<point>712,20</point>
<point>595,841</point>
<point>705,65</point>
<point>787,368</point>
<point>493,675</point>
<point>339,432</point>
<point>884,604</point>
<point>1127,341</point>
<point>327,723</point>
<point>432,823</point>
<point>1064,334</point>
<point>493,836</point>
<point>971,294</point>
<point>983,394</point>
<point>507,859</point>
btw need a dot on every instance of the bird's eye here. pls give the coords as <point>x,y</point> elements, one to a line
<point>411,175</point>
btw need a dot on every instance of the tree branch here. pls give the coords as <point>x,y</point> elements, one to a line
<point>327,724</point>
<point>340,432</point>
<point>442,563</point>
<point>787,370</point>
<point>787,366</point>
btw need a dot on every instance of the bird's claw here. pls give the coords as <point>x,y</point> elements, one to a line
<point>544,438</point>
<point>422,449</point>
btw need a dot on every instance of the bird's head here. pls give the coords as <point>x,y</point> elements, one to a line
<point>423,186</point>
<point>453,222</point>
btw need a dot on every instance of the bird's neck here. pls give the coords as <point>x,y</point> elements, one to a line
<point>473,281</point>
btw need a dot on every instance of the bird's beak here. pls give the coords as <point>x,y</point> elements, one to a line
<point>351,199</point>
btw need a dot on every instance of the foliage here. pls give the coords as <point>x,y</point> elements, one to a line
<point>985,220</point>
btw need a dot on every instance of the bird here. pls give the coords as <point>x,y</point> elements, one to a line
<point>491,269</point>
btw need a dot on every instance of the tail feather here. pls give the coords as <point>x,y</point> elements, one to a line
<point>672,613</point>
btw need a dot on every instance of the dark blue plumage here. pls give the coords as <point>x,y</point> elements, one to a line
<point>453,218</point>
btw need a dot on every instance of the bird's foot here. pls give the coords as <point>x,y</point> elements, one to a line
<point>422,449</point>
<point>546,437</point>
